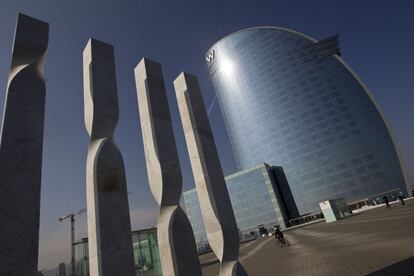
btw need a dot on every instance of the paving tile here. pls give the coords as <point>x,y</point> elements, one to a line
<point>377,242</point>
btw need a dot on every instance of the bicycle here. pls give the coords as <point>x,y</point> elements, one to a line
<point>283,242</point>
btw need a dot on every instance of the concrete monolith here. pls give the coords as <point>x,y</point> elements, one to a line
<point>216,209</point>
<point>176,241</point>
<point>21,149</point>
<point>109,226</point>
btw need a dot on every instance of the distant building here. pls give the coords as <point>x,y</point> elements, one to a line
<point>62,269</point>
<point>146,254</point>
<point>291,100</point>
<point>260,196</point>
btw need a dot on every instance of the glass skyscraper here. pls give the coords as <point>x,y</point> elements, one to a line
<point>146,254</point>
<point>292,101</point>
<point>259,197</point>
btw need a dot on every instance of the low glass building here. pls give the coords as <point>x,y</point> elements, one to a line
<point>259,197</point>
<point>290,100</point>
<point>193,210</point>
<point>146,254</point>
<point>81,257</point>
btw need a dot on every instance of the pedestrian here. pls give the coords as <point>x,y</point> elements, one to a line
<point>386,201</point>
<point>401,198</point>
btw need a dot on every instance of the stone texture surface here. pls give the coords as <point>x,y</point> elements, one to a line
<point>109,226</point>
<point>176,241</point>
<point>21,150</point>
<point>215,204</point>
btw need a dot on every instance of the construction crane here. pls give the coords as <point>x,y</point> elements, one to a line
<point>72,234</point>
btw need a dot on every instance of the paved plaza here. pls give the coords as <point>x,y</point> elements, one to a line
<point>375,242</point>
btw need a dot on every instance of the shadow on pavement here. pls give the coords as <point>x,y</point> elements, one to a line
<point>209,263</point>
<point>403,268</point>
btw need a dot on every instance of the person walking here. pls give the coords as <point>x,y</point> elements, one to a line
<point>401,198</point>
<point>386,201</point>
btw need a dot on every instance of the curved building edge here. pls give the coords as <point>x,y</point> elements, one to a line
<point>353,74</point>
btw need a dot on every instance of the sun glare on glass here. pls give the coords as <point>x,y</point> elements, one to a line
<point>227,67</point>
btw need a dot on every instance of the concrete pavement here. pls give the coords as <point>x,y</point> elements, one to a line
<point>376,242</point>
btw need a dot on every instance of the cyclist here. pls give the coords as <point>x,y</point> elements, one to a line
<point>279,235</point>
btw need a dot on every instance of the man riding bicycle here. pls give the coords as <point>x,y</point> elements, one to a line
<point>279,234</point>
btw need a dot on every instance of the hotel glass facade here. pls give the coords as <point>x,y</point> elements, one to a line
<point>146,254</point>
<point>289,100</point>
<point>255,200</point>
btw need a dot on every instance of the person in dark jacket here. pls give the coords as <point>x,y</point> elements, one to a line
<point>386,201</point>
<point>279,234</point>
<point>401,198</point>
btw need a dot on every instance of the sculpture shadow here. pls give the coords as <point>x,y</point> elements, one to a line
<point>403,268</point>
<point>210,263</point>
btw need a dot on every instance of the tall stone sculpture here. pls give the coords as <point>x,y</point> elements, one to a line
<point>109,226</point>
<point>215,204</point>
<point>176,241</point>
<point>21,150</point>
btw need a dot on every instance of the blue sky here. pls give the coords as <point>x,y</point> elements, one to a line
<point>376,40</point>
